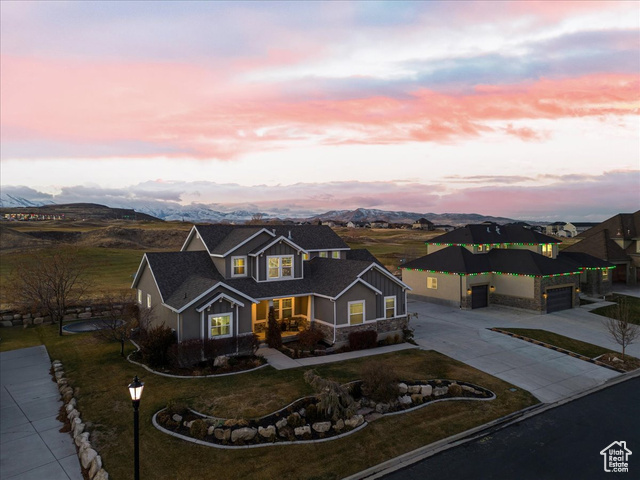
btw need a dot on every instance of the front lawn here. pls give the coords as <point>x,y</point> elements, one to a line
<point>101,377</point>
<point>632,302</point>
<point>583,348</point>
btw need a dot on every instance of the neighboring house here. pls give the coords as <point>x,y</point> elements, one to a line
<point>616,240</point>
<point>582,226</point>
<point>379,224</point>
<point>423,224</point>
<point>225,278</point>
<point>445,228</point>
<point>555,228</point>
<point>481,265</point>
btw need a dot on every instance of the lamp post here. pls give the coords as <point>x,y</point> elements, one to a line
<point>135,390</point>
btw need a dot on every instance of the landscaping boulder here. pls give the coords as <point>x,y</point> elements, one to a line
<point>84,315</point>
<point>404,400</point>
<point>96,465</point>
<point>38,320</point>
<point>101,475</point>
<point>439,391</point>
<point>321,427</point>
<point>339,425</point>
<point>244,434</point>
<point>417,399</point>
<point>281,423</point>
<point>222,434</point>
<point>414,389</point>
<point>82,438</point>
<point>354,421</point>
<point>300,431</point>
<point>267,432</point>
<point>177,418</point>
<point>87,456</point>
<point>402,388</point>
<point>221,361</point>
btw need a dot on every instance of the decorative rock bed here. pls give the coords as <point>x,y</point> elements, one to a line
<point>301,421</point>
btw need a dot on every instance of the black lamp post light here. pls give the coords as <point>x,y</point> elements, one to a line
<point>135,390</point>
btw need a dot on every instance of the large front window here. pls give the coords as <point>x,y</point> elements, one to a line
<point>389,307</point>
<point>283,308</point>
<point>280,266</point>
<point>356,312</point>
<point>239,268</point>
<point>219,325</point>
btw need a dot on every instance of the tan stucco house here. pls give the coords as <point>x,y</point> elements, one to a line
<point>480,265</point>
<point>223,281</point>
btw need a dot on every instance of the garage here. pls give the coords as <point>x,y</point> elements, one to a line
<point>479,296</point>
<point>559,299</point>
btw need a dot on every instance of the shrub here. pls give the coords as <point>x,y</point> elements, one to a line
<point>248,344</point>
<point>361,340</point>
<point>379,382</point>
<point>177,407</point>
<point>308,339</point>
<point>274,332</point>
<point>214,347</point>
<point>186,354</point>
<point>312,413</point>
<point>154,345</point>
<point>294,420</point>
<point>198,429</point>
<point>455,390</point>
<point>334,400</point>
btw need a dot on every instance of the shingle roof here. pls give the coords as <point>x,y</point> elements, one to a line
<point>583,260</point>
<point>601,246</point>
<point>181,276</point>
<point>456,259</point>
<point>364,255</point>
<point>221,238</point>
<point>492,233</point>
<point>622,225</point>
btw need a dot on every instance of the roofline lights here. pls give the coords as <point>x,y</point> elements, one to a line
<point>496,273</point>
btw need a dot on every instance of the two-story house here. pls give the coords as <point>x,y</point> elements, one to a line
<point>225,278</point>
<point>480,265</point>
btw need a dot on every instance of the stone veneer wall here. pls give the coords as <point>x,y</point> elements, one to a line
<point>385,328</point>
<point>15,319</point>
<point>594,286</point>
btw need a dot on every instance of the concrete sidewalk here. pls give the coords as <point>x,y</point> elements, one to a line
<point>31,444</point>
<point>280,361</point>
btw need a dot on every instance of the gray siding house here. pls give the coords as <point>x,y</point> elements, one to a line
<point>224,279</point>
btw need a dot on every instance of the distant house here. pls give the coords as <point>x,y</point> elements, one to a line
<point>616,240</point>
<point>379,224</point>
<point>489,264</point>
<point>446,228</point>
<point>423,224</point>
<point>555,228</point>
<point>224,280</point>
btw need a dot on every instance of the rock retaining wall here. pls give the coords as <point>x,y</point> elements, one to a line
<point>89,458</point>
<point>16,319</point>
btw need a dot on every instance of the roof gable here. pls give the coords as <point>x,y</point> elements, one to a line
<point>601,246</point>
<point>623,226</point>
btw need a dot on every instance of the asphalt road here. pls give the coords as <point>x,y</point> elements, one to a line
<point>561,443</point>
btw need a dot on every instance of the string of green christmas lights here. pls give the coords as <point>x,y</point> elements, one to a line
<point>497,273</point>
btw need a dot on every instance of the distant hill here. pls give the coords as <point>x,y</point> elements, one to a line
<point>81,211</point>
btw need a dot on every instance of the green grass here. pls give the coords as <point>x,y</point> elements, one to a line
<point>101,376</point>
<point>17,337</point>
<point>632,302</point>
<point>576,346</point>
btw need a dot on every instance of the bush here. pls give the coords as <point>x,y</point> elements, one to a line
<point>198,429</point>
<point>308,339</point>
<point>177,407</point>
<point>154,345</point>
<point>274,332</point>
<point>362,340</point>
<point>186,354</point>
<point>214,347</point>
<point>379,382</point>
<point>334,400</point>
<point>248,344</point>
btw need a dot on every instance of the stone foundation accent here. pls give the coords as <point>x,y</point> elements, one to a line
<point>385,328</point>
<point>89,458</point>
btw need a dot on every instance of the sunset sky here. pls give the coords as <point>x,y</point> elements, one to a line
<point>522,109</point>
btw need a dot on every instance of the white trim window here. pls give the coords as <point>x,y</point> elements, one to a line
<point>605,274</point>
<point>356,312</point>
<point>148,300</point>
<point>139,297</point>
<point>305,256</point>
<point>432,282</point>
<point>239,266</point>
<point>323,254</point>
<point>279,266</point>
<point>220,325</point>
<point>390,307</point>
<point>547,249</point>
<point>335,254</point>
<point>283,308</point>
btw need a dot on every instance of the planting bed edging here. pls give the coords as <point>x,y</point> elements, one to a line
<point>169,375</point>
<point>267,442</point>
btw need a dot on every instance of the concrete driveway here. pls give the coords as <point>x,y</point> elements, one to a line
<point>547,374</point>
<point>31,444</point>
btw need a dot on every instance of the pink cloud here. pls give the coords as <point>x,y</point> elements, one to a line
<point>205,112</point>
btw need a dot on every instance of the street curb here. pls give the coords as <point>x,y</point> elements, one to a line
<point>409,458</point>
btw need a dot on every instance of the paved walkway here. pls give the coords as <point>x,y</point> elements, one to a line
<point>280,361</point>
<point>31,444</point>
<point>549,375</point>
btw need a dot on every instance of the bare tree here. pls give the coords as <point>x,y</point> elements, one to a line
<point>50,281</point>
<point>256,219</point>
<point>620,327</point>
<point>121,316</point>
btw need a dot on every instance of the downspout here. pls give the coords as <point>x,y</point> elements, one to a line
<point>335,324</point>
<point>460,291</point>
<point>237,330</point>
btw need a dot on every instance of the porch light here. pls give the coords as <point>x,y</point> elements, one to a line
<point>468,291</point>
<point>493,288</point>
<point>544,295</point>
<point>577,290</point>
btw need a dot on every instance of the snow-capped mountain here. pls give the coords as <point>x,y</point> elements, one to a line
<point>13,201</point>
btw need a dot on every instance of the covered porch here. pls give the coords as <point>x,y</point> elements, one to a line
<point>291,313</point>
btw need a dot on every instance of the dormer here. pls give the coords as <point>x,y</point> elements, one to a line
<point>279,259</point>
